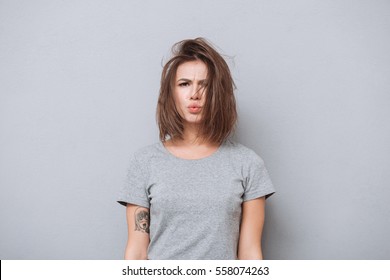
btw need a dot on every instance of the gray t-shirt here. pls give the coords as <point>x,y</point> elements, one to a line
<point>195,205</point>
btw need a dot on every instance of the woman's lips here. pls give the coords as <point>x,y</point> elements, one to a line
<point>194,110</point>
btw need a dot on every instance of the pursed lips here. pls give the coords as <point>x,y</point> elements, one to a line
<point>194,108</point>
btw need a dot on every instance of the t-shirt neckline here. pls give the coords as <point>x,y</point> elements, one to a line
<point>214,154</point>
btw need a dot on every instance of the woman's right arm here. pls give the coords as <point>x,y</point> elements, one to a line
<point>138,222</point>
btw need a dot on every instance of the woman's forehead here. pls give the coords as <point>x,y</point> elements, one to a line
<point>192,70</point>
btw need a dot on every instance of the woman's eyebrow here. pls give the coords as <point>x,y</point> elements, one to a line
<point>184,80</point>
<point>188,80</point>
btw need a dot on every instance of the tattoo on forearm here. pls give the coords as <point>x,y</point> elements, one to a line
<point>142,220</point>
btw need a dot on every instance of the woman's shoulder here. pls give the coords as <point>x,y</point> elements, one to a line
<point>240,150</point>
<point>242,157</point>
<point>145,153</point>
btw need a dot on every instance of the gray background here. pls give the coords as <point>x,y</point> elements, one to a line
<point>78,91</point>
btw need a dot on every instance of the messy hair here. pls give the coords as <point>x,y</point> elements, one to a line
<point>219,113</point>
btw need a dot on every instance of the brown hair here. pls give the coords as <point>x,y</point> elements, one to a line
<point>219,113</point>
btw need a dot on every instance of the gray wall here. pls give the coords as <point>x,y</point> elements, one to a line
<point>78,91</point>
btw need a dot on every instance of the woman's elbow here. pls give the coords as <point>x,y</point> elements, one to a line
<point>135,254</point>
<point>253,253</point>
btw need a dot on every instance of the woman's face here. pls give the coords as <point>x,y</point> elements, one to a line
<point>189,91</point>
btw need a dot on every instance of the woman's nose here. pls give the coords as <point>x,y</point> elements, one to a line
<point>197,92</point>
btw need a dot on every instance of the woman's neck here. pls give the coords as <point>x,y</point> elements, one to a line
<point>191,145</point>
<point>191,138</point>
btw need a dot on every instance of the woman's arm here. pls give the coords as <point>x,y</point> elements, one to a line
<point>138,222</point>
<point>249,244</point>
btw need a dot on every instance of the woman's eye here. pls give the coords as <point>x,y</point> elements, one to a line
<point>184,84</point>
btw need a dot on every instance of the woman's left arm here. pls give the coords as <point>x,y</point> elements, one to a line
<point>249,244</point>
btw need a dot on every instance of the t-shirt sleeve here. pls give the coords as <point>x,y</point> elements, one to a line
<point>134,187</point>
<point>257,182</point>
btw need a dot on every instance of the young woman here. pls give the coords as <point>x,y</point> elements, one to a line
<point>195,194</point>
